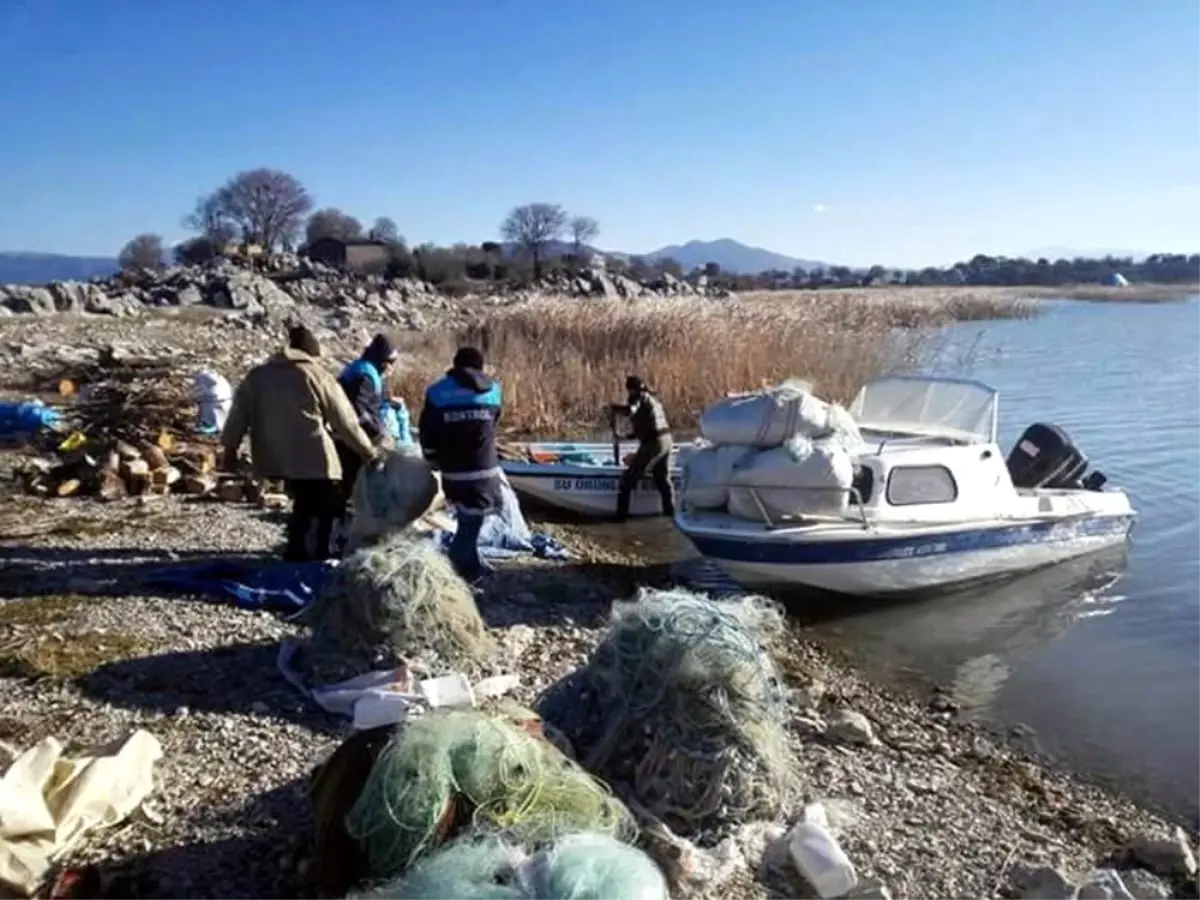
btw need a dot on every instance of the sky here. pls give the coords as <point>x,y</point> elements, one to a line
<point>903,132</point>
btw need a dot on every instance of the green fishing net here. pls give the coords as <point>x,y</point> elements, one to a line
<point>578,867</point>
<point>455,767</point>
<point>402,594</point>
<point>681,704</point>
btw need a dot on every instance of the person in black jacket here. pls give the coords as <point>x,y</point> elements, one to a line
<point>458,436</point>
<point>649,426</point>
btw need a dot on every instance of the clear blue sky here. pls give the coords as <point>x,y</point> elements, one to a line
<point>900,131</point>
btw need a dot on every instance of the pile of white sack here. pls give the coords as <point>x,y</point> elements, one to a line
<point>785,445</point>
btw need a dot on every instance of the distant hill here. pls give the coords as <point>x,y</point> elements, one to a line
<point>39,268</point>
<point>732,257</point>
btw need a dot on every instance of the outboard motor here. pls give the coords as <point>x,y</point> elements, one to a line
<point>1046,457</point>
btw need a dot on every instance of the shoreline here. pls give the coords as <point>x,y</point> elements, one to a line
<point>1133,293</point>
<point>936,805</point>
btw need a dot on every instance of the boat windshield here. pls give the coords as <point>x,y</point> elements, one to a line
<point>959,409</point>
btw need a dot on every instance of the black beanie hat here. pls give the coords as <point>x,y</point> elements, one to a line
<point>468,358</point>
<point>380,350</point>
<point>300,338</point>
<point>634,385</point>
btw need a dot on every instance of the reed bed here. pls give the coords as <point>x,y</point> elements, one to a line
<point>561,361</point>
<point>1133,293</point>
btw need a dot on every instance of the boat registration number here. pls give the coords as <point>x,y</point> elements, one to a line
<point>910,551</point>
<point>601,485</point>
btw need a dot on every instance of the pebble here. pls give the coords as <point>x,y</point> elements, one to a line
<point>848,726</point>
<point>1171,857</point>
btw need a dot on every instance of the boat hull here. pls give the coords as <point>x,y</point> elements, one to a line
<point>583,490</point>
<point>882,564</point>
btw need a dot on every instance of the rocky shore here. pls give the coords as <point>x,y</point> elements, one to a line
<point>298,282</point>
<point>924,805</point>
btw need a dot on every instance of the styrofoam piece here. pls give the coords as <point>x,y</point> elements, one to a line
<point>818,857</point>
<point>496,686</point>
<point>448,690</point>
<point>377,708</point>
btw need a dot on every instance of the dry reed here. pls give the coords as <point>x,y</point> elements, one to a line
<point>561,361</point>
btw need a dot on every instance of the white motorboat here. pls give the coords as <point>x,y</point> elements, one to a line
<point>581,478</point>
<point>934,504</point>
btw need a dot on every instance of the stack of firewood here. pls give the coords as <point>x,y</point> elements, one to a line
<point>129,431</point>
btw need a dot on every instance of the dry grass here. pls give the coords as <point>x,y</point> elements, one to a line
<point>562,361</point>
<point>1134,293</point>
<point>64,655</point>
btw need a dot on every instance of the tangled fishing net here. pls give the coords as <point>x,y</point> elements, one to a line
<point>681,703</point>
<point>388,499</point>
<point>578,867</point>
<point>450,769</point>
<point>401,594</point>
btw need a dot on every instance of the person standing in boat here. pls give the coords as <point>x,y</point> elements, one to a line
<point>653,434</point>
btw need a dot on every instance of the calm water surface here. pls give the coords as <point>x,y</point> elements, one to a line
<point>1100,657</point>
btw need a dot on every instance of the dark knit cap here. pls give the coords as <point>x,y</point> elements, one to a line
<point>300,338</point>
<point>468,358</point>
<point>380,350</point>
<point>634,385</point>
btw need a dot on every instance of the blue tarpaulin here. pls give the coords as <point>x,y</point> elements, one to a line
<point>20,421</point>
<point>251,584</point>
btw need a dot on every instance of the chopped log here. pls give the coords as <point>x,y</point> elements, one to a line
<point>67,488</point>
<point>273,501</point>
<point>232,491</point>
<point>154,457</point>
<point>198,485</point>
<point>111,486</point>
<point>127,451</point>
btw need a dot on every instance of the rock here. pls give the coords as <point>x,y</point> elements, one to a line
<point>1143,885</point>
<point>1028,880</point>
<point>850,727</point>
<point>870,889</point>
<point>1171,857</point>
<point>809,695</point>
<point>1103,884</point>
<point>808,726</point>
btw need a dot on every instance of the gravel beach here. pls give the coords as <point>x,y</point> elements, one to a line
<point>927,807</point>
<point>923,804</point>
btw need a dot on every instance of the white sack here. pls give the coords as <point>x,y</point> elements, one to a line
<point>214,395</point>
<point>707,473</point>
<point>800,478</point>
<point>766,418</point>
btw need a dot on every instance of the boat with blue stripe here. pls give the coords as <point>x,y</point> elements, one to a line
<point>581,478</point>
<point>934,504</point>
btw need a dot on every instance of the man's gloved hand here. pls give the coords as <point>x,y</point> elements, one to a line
<point>375,463</point>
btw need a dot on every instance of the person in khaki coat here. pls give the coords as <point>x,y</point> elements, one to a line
<point>294,410</point>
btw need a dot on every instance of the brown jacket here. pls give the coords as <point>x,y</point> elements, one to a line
<point>293,409</point>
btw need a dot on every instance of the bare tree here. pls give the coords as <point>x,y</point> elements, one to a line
<point>385,231</point>
<point>583,230</point>
<point>210,219</point>
<point>533,227</point>
<point>144,252</point>
<point>332,223</point>
<point>267,206</point>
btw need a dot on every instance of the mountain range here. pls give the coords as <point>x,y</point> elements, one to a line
<point>730,255</point>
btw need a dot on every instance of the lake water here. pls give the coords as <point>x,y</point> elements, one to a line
<point>1099,659</point>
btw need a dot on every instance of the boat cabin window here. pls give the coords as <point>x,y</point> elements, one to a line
<point>864,483</point>
<point>912,485</point>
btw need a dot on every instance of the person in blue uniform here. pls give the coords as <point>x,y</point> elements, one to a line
<point>457,429</point>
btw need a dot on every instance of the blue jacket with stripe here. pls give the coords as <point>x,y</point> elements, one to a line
<point>458,435</point>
